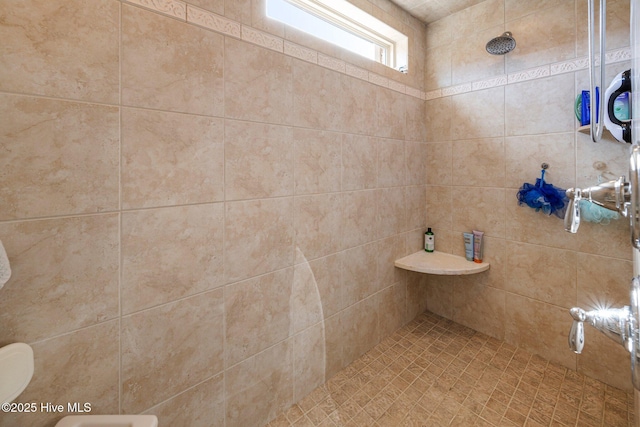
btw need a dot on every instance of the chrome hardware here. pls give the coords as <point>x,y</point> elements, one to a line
<point>572,215</point>
<point>613,322</point>
<point>597,123</point>
<point>619,324</point>
<point>612,195</point>
<point>634,208</point>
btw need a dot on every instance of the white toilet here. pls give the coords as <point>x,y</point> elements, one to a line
<point>108,421</point>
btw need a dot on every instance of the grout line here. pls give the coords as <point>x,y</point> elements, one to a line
<point>120,257</point>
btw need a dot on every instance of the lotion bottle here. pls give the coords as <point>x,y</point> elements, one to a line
<point>429,240</point>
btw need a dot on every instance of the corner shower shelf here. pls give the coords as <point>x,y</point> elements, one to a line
<point>605,132</point>
<point>440,263</point>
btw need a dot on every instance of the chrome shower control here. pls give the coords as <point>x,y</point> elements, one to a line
<point>619,324</point>
<point>576,335</point>
<point>612,195</point>
<point>613,322</point>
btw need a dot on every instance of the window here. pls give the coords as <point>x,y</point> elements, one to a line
<point>341,23</point>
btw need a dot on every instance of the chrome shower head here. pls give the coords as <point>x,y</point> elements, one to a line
<point>502,44</point>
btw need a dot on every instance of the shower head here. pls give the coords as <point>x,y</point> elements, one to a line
<point>502,44</point>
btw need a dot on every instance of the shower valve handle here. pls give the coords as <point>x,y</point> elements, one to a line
<point>572,215</point>
<point>576,335</point>
<point>615,323</point>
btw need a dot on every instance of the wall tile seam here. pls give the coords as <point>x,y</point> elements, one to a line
<point>188,389</point>
<point>134,210</point>
<point>122,107</point>
<point>60,216</point>
<point>117,318</point>
<point>552,69</point>
<point>213,22</point>
<point>509,293</point>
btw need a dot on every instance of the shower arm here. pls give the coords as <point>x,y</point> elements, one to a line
<point>597,125</point>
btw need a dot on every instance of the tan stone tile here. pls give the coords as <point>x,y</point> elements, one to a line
<point>360,221</point>
<point>438,67</point>
<point>159,358</point>
<point>318,161</point>
<point>438,119</point>
<point>391,162</point>
<point>62,366</point>
<point>313,89</point>
<point>538,115</point>
<point>479,162</point>
<point>170,253</point>
<point>389,118</point>
<point>480,307</point>
<point>524,156</point>
<point>523,266</point>
<point>318,225</point>
<point>479,209</point>
<point>200,406</point>
<point>64,276</point>
<point>470,61</point>
<point>390,212</point>
<point>618,13</point>
<point>361,332</point>
<point>439,163</point>
<point>263,382</point>
<point>548,324</point>
<point>61,49</point>
<point>164,154</point>
<point>258,160</point>
<point>359,162</point>
<point>552,37</point>
<point>216,6</point>
<point>258,237</point>
<point>258,314</point>
<point>59,157</point>
<point>170,65</point>
<point>368,109</point>
<point>474,115</point>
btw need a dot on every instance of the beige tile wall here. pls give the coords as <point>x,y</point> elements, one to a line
<point>201,207</point>
<point>491,123</point>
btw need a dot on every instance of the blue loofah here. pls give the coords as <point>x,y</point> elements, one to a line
<point>543,197</point>
<point>594,213</point>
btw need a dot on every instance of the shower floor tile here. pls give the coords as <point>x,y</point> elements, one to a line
<point>434,372</point>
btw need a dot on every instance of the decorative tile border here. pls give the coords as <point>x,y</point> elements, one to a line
<point>172,8</point>
<point>569,66</point>
<point>356,72</point>
<point>618,55</point>
<point>433,94</point>
<point>300,52</point>
<point>457,90</point>
<point>611,57</point>
<point>416,93</point>
<point>379,80</point>
<point>331,63</point>
<point>489,83</point>
<point>211,21</point>
<point>398,87</point>
<point>262,39</point>
<point>531,74</point>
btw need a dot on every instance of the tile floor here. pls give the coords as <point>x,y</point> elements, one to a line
<point>434,372</point>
